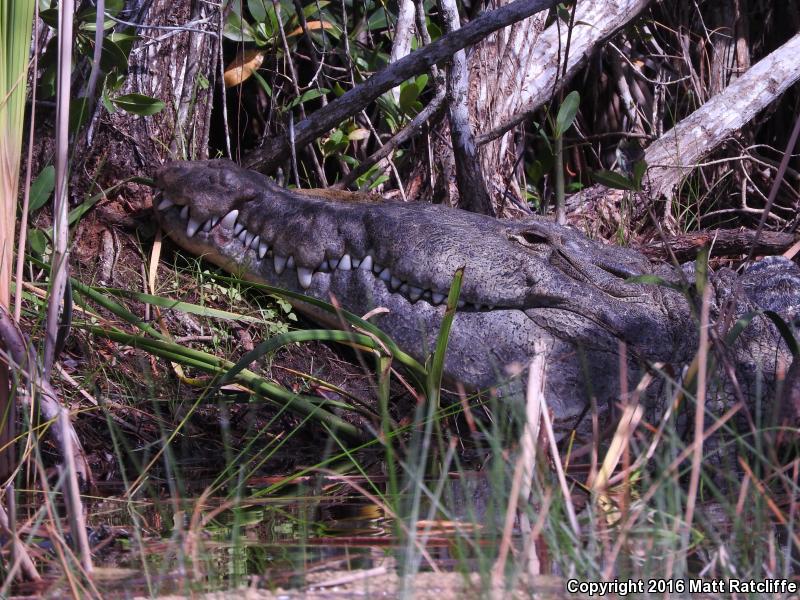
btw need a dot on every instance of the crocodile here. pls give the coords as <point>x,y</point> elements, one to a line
<point>526,283</point>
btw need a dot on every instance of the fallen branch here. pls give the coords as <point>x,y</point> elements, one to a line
<point>356,99</point>
<point>673,155</point>
<point>723,242</point>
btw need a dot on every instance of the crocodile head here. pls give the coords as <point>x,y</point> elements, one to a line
<point>524,282</point>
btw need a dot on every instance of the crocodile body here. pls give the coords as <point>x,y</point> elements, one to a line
<point>525,282</point>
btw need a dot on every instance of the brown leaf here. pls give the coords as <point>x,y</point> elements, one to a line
<point>311,26</point>
<point>243,66</point>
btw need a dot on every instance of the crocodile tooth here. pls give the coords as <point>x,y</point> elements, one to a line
<point>333,262</point>
<point>192,226</point>
<point>304,276</point>
<point>414,293</point>
<point>356,262</point>
<point>262,249</point>
<point>426,295</point>
<point>214,221</point>
<point>366,263</point>
<point>256,241</point>
<point>394,282</point>
<point>229,220</point>
<point>242,236</point>
<point>403,289</point>
<point>279,262</point>
<point>248,238</point>
<point>490,307</point>
<point>165,204</point>
<point>345,263</point>
<point>207,226</point>
<point>238,228</point>
<point>385,274</point>
<point>324,266</point>
<point>478,306</point>
<point>290,262</point>
<point>376,268</point>
<point>437,297</point>
<point>185,212</point>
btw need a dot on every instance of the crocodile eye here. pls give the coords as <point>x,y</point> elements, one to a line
<point>533,237</point>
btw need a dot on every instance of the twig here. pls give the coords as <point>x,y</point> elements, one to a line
<point>524,469</point>
<point>77,516</point>
<point>175,28</point>
<point>22,560</point>
<point>699,418</point>
<point>59,270</point>
<point>22,357</point>
<point>773,192</point>
<point>399,138</point>
<point>223,92</point>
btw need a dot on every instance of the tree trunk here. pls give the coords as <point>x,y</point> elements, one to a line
<point>176,67</point>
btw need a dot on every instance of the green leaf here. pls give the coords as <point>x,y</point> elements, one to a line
<point>534,172</point>
<point>237,29</point>
<point>123,40</point>
<point>41,188</point>
<point>172,304</point>
<point>263,83</point>
<point>50,16</point>
<point>655,280</point>
<point>434,31</point>
<point>78,113</point>
<point>567,112</point>
<point>139,104</point>
<point>613,180</point>
<point>358,134</point>
<point>114,7</point>
<point>409,93</point>
<point>639,169</point>
<point>315,7</point>
<point>309,95</point>
<point>113,57</point>
<point>377,20</point>
<point>421,81</point>
<point>37,242</point>
<point>258,9</point>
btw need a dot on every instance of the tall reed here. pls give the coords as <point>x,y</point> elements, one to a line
<point>16,19</point>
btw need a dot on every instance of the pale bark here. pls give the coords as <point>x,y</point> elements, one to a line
<point>403,30</point>
<point>673,155</point>
<point>469,173</point>
<point>539,71</point>
<point>177,67</point>
<point>677,152</point>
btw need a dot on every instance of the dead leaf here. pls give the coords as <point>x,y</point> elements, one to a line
<point>312,26</point>
<point>243,66</point>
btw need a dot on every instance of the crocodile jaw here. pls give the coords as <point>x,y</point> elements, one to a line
<point>523,282</point>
